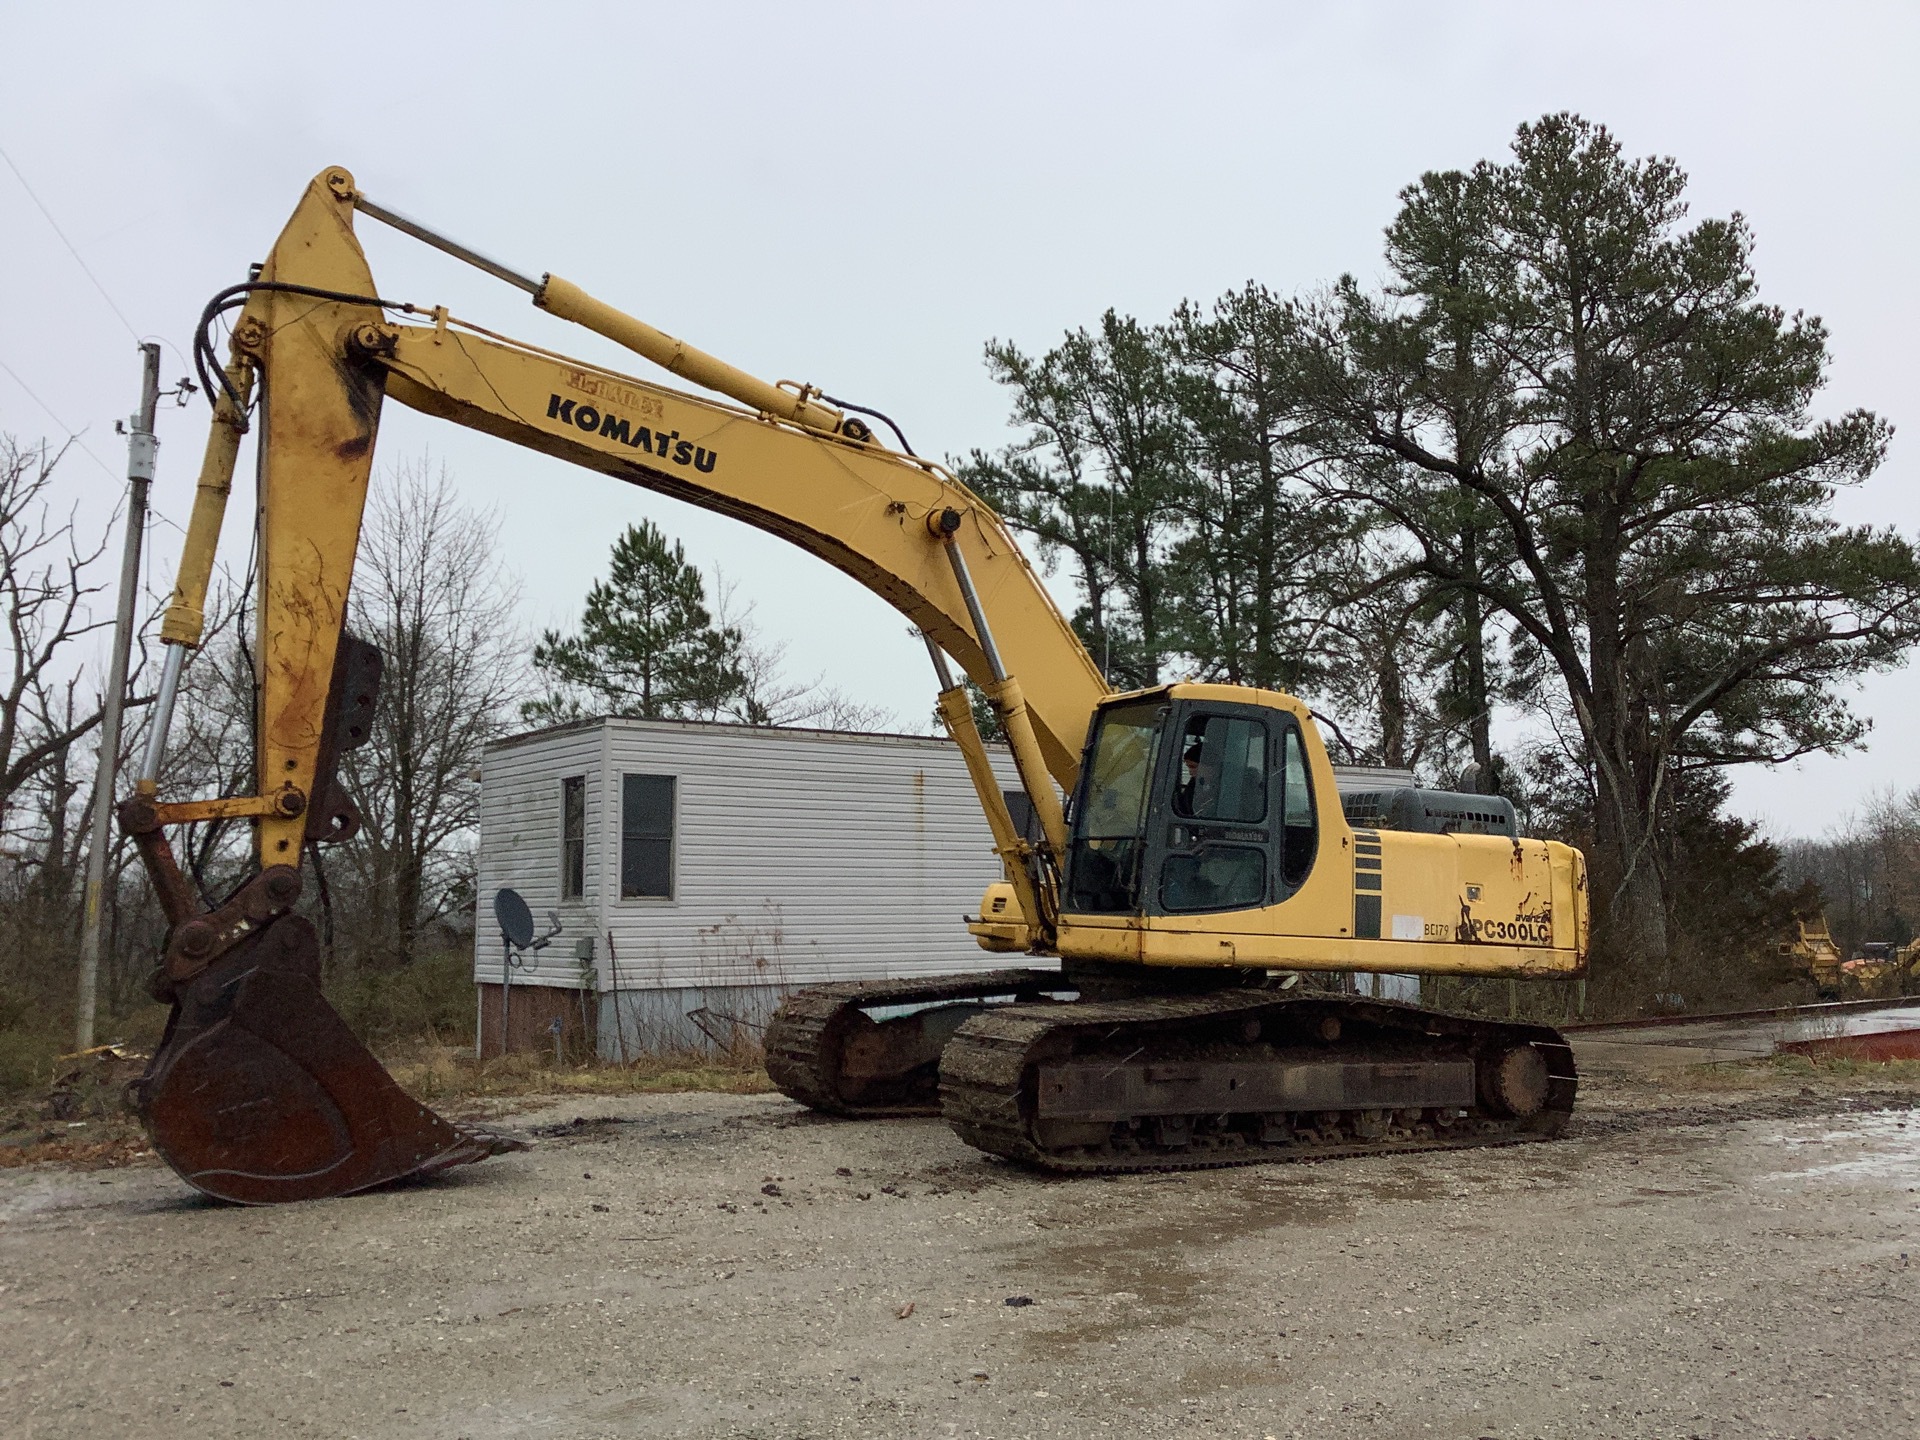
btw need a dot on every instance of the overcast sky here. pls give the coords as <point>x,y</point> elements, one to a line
<point>861,195</point>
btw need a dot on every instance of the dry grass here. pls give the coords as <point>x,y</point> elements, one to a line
<point>1790,1072</point>
<point>80,1120</point>
<point>438,1073</point>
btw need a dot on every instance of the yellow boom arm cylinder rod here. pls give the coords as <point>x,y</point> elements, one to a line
<point>186,615</point>
<point>570,302</point>
<point>1011,706</point>
<point>1009,703</point>
<point>956,710</point>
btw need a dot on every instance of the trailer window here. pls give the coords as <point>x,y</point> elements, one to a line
<point>646,837</point>
<point>573,837</point>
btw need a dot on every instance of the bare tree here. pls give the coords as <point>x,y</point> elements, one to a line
<point>431,594</point>
<point>210,747</point>
<point>1867,868</point>
<point>766,696</point>
<point>44,591</point>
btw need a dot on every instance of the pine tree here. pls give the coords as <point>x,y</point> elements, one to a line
<point>1590,391</point>
<point>647,645</point>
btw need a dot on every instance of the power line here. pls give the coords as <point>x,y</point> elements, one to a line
<point>66,429</point>
<point>74,435</point>
<point>70,250</point>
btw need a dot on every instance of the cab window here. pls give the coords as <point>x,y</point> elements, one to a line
<point>1299,835</point>
<point>1109,824</point>
<point>1223,770</point>
<point>1217,851</point>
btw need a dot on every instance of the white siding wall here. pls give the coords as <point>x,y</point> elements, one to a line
<point>520,845</point>
<point>799,856</point>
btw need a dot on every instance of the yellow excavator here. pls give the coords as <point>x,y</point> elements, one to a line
<point>1879,969</point>
<point>1190,879</point>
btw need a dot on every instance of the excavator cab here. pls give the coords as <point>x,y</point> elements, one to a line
<point>1191,806</point>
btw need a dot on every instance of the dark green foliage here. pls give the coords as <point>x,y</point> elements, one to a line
<point>1172,466</point>
<point>1262,561</point>
<point>1730,902</point>
<point>431,998</point>
<point>1098,476</point>
<point>647,645</point>
<point>1567,371</point>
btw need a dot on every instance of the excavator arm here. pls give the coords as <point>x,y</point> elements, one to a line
<point>795,468</point>
<point>323,351</point>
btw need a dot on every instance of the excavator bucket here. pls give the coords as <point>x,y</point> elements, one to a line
<point>259,1093</point>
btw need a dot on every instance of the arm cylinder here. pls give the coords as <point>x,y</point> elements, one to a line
<point>570,302</point>
<point>186,615</point>
<point>454,248</point>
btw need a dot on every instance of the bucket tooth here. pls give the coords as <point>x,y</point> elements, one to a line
<point>260,1094</point>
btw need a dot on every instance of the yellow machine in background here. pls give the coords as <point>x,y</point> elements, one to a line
<point>1190,856</point>
<point>1879,970</point>
<point>1815,955</point>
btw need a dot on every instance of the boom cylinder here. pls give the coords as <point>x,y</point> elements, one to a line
<point>957,712</point>
<point>1010,704</point>
<point>186,615</point>
<point>149,776</point>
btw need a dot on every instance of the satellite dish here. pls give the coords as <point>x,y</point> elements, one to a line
<point>516,920</point>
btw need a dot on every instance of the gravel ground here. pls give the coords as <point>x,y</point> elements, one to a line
<point>704,1265</point>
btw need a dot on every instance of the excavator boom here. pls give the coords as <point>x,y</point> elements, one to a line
<point>259,1092</point>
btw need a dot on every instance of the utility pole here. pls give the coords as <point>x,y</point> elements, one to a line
<point>141,448</point>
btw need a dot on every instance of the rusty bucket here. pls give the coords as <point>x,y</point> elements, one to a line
<point>260,1094</point>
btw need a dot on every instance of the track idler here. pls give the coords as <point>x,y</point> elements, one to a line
<point>260,1094</point>
<point>825,1051</point>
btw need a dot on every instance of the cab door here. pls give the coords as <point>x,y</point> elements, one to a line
<point>1232,826</point>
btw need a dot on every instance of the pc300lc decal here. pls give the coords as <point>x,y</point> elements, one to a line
<point>1535,928</point>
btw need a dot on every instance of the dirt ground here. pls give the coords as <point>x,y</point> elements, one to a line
<point>1686,1264</point>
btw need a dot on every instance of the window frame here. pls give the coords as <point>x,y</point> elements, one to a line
<point>1171,833</point>
<point>573,846</point>
<point>1084,846</point>
<point>670,837</point>
<point>1293,733</point>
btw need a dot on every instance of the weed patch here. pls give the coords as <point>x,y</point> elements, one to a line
<point>438,1073</point>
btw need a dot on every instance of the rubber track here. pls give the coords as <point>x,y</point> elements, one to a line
<point>802,1043</point>
<point>986,1084</point>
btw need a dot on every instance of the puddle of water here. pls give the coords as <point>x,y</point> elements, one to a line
<point>1873,1022</point>
<point>1889,1139</point>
